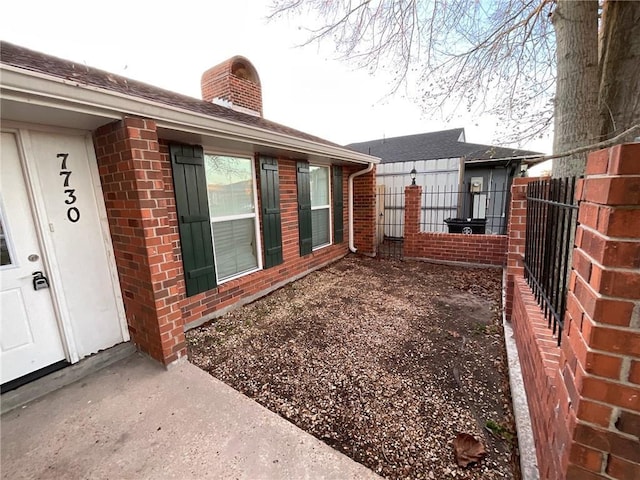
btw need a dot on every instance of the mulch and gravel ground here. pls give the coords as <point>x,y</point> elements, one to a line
<point>385,361</point>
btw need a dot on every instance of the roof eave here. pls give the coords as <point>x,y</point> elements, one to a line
<point>529,159</point>
<point>34,87</point>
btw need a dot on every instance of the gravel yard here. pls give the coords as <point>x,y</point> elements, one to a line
<point>385,361</point>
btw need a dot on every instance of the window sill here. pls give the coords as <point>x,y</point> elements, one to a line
<point>239,275</point>
<point>320,247</point>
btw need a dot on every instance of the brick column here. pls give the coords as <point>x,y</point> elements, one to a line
<point>136,202</point>
<point>364,213</point>
<point>412,205</point>
<point>516,233</point>
<point>600,360</point>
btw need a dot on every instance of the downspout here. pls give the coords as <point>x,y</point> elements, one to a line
<point>352,247</point>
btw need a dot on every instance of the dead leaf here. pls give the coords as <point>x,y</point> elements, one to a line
<point>468,450</point>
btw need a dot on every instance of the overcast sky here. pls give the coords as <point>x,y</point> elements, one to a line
<point>304,88</point>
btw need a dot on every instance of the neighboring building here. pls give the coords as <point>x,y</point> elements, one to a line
<point>132,212</point>
<point>465,180</point>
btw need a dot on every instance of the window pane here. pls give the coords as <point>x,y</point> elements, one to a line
<point>229,185</point>
<point>319,227</point>
<point>5,258</point>
<point>235,247</point>
<point>319,185</point>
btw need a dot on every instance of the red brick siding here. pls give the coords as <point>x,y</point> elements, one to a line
<point>135,172</point>
<point>516,237</point>
<point>481,249</point>
<point>587,425</point>
<point>207,303</point>
<point>364,211</point>
<point>245,93</point>
<point>539,355</point>
<point>478,249</point>
<point>602,338</point>
<point>130,169</point>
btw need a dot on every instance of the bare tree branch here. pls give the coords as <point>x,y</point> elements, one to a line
<point>620,138</point>
<point>496,57</point>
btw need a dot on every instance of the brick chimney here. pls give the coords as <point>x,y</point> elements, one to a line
<point>235,84</point>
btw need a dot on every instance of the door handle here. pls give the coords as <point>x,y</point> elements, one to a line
<point>40,281</point>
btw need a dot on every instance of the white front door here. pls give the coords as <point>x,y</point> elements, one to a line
<point>29,335</point>
<point>74,217</point>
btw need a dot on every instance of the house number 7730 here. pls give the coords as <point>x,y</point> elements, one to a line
<point>73,214</point>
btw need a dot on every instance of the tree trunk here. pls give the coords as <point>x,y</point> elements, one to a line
<point>576,103</point>
<point>619,67</point>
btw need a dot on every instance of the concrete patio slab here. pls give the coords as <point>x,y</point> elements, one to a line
<point>135,420</point>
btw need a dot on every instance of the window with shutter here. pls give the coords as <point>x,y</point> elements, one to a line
<point>320,207</point>
<point>338,206</point>
<point>314,207</point>
<point>190,185</point>
<point>304,209</point>
<point>231,194</point>
<point>271,218</point>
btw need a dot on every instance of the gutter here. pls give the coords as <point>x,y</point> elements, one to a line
<point>369,168</point>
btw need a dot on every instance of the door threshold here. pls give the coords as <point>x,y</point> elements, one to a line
<point>63,376</point>
<point>33,376</point>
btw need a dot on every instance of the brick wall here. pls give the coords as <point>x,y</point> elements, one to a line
<point>516,237</point>
<point>130,169</point>
<point>136,176</point>
<point>452,247</point>
<point>584,396</point>
<point>538,351</point>
<point>601,350</point>
<point>364,211</point>
<point>539,358</point>
<point>206,305</point>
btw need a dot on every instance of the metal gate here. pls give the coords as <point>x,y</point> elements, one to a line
<point>390,222</point>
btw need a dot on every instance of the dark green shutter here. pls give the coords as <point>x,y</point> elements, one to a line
<point>338,220</point>
<point>304,208</point>
<point>271,220</point>
<point>190,185</point>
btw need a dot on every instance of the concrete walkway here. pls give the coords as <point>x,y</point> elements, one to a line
<point>135,420</point>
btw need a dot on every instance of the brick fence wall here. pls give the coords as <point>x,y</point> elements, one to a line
<point>452,247</point>
<point>135,172</point>
<point>516,237</point>
<point>539,359</point>
<point>584,396</point>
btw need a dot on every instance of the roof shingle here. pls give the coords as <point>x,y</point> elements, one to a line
<point>31,60</point>
<point>433,146</point>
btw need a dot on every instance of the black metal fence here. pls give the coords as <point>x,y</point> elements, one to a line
<point>550,230</point>
<point>465,208</point>
<point>390,222</point>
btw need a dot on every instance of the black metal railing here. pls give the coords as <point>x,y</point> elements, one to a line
<point>449,208</point>
<point>550,230</point>
<point>390,222</point>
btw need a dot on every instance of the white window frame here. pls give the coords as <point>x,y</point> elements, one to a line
<point>322,207</point>
<point>241,216</point>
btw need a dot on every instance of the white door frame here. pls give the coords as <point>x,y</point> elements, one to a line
<point>23,138</point>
